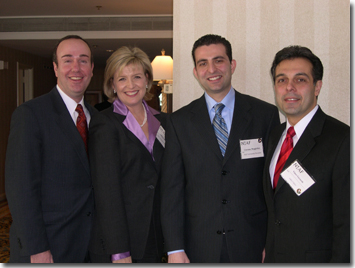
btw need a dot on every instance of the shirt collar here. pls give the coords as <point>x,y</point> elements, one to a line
<point>71,105</point>
<point>228,100</point>
<point>132,125</point>
<point>303,123</point>
<point>120,108</point>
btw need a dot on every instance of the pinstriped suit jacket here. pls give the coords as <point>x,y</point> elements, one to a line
<point>127,187</point>
<point>315,226</point>
<point>204,193</point>
<point>48,184</point>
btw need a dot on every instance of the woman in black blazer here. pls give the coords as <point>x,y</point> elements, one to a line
<point>126,145</point>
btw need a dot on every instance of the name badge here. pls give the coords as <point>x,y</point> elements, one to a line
<point>161,136</point>
<point>251,148</point>
<point>297,177</point>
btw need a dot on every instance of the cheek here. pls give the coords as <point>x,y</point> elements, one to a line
<point>115,87</point>
<point>277,92</point>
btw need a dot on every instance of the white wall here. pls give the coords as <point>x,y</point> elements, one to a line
<point>257,29</point>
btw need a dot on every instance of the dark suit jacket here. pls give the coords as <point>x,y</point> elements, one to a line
<point>126,185</point>
<point>48,185</point>
<point>202,192</point>
<point>315,226</point>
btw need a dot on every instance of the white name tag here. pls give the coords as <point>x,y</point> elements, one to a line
<point>251,148</point>
<point>161,136</point>
<point>296,176</point>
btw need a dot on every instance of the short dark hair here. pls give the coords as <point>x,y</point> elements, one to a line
<point>209,39</point>
<point>54,56</point>
<point>292,52</point>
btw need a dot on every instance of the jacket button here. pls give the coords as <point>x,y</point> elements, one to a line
<point>277,222</point>
<point>224,172</point>
<point>225,201</point>
<point>219,232</point>
<point>151,187</point>
<point>88,214</point>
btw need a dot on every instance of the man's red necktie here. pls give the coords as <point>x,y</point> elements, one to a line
<point>81,125</point>
<point>286,150</point>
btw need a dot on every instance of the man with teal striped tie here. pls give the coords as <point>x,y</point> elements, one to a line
<point>213,207</point>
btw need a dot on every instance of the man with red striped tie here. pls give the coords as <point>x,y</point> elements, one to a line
<point>307,168</point>
<point>47,173</point>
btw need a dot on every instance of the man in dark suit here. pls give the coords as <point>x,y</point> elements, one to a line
<point>309,203</point>
<point>213,207</point>
<point>47,175</point>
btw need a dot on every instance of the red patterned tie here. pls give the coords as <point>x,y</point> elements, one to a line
<point>81,125</point>
<point>286,150</point>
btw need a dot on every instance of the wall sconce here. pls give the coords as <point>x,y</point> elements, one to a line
<point>163,71</point>
<point>4,65</point>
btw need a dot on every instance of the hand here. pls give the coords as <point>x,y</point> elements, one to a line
<point>178,257</point>
<point>43,257</point>
<point>263,256</point>
<point>124,260</point>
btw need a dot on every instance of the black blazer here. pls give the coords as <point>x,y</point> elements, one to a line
<point>126,185</point>
<point>202,192</point>
<point>315,226</point>
<point>47,180</point>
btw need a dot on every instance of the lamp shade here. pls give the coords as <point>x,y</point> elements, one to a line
<point>162,67</point>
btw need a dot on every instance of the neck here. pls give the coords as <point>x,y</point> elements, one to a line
<point>219,96</point>
<point>138,112</point>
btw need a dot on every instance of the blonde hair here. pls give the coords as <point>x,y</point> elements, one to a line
<point>121,58</point>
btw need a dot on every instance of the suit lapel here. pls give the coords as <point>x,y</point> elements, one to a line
<point>91,109</point>
<point>66,124</point>
<point>240,123</point>
<point>306,142</point>
<point>158,149</point>
<point>273,141</point>
<point>120,118</point>
<point>202,123</point>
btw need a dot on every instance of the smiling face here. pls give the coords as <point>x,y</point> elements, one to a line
<point>74,69</point>
<point>214,70</point>
<point>295,92</point>
<point>130,85</point>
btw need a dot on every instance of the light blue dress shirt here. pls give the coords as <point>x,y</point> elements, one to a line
<point>227,112</point>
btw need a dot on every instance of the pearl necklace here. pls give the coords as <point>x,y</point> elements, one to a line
<point>145,116</point>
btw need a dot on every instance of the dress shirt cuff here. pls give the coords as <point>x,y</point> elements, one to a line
<point>117,257</point>
<point>175,251</point>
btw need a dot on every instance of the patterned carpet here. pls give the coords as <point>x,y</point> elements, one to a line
<point>5,223</point>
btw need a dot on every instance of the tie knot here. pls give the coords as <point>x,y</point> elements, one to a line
<point>291,132</point>
<point>79,109</point>
<point>218,108</point>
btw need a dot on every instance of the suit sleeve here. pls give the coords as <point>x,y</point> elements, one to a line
<point>23,181</point>
<point>172,191</point>
<point>105,162</point>
<point>341,204</point>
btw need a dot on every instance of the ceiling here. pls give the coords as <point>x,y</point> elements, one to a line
<point>42,45</point>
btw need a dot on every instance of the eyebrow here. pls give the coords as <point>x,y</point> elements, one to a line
<point>297,74</point>
<point>69,55</point>
<point>215,58</point>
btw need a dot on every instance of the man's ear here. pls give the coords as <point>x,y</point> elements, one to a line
<point>318,87</point>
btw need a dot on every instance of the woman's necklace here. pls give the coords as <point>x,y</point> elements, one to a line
<point>145,116</point>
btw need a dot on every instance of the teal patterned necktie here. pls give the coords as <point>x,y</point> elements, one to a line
<point>220,128</point>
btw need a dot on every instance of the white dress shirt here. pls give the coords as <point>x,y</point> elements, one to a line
<point>299,129</point>
<point>71,106</point>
